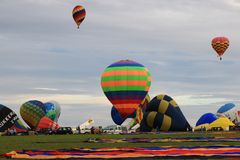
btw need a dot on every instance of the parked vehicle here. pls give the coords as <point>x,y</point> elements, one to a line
<point>64,130</point>
<point>114,129</point>
<point>47,131</point>
<point>85,131</point>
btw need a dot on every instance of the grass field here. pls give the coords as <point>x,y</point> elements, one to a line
<point>52,142</point>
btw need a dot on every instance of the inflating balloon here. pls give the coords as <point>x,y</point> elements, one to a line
<point>220,45</point>
<point>52,110</point>
<point>206,118</point>
<point>210,122</point>
<point>163,114</point>
<point>231,111</point>
<point>31,112</point>
<point>9,120</point>
<point>116,117</point>
<point>78,14</point>
<point>126,83</point>
<point>39,115</point>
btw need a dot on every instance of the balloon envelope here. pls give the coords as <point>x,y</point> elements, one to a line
<point>230,110</point>
<point>78,14</point>
<point>206,118</point>
<point>9,120</point>
<point>19,127</point>
<point>126,83</point>
<point>164,114</point>
<point>226,107</point>
<point>52,110</point>
<point>220,45</point>
<point>116,117</point>
<point>31,112</point>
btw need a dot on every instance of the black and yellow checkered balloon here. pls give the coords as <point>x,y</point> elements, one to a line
<point>163,114</point>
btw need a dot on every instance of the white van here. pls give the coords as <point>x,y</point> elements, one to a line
<point>114,129</point>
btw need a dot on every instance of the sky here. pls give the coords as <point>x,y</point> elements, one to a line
<point>45,57</point>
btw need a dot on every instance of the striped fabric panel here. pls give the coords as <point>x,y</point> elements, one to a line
<point>123,94</point>
<point>124,88</point>
<point>129,95</point>
<point>128,68</point>
<point>125,73</point>
<point>126,83</point>
<point>126,97</point>
<point>126,106</point>
<point>130,101</point>
<point>111,78</point>
<point>126,109</point>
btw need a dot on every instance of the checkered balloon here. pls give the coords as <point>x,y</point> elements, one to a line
<point>220,45</point>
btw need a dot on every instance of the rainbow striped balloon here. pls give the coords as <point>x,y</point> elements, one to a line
<point>126,83</point>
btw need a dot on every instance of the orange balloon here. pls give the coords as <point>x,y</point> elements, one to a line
<point>220,45</point>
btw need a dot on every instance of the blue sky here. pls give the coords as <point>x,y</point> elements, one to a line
<point>44,56</point>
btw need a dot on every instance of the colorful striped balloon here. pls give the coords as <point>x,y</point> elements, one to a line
<point>78,14</point>
<point>126,83</point>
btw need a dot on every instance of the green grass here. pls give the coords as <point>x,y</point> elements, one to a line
<point>52,142</point>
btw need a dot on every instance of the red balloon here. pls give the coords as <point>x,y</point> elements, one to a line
<point>220,45</point>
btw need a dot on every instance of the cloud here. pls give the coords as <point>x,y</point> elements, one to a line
<point>198,99</point>
<point>46,89</point>
<point>65,99</point>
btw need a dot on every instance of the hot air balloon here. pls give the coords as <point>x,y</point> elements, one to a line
<point>210,121</point>
<point>220,45</point>
<point>52,110</point>
<point>9,120</point>
<point>206,118</point>
<point>116,117</point>
<point>126,83</point>
<point>163,114</point>
<point>78,14</point>
<point>231,111</point>
<point>31,112</point>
